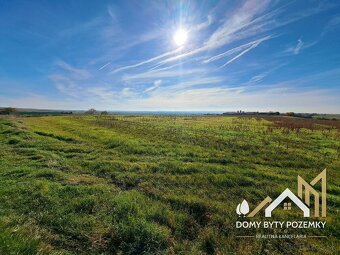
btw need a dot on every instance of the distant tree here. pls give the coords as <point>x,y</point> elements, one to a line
<point>104,113</point>
<point>7,110</point>
<point>67,112</point>
<point>290,114</point>
<point>91,111</point>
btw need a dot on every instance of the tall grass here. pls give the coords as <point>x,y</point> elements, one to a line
<point>120,184</point>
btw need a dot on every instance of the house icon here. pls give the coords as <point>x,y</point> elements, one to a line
<point>287,194</point>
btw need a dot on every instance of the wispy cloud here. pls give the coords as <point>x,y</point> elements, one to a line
<point>246,22</point>
<point>112,13</point>
<point>80,28</point>
<point>259,77</point>
<point>128,93</point>
<point>300,45</point>
<point>117,63</point>
<point>226,32</point>
<point>241,19</point>
<point>102,92</point>
<point>250,19</point>
<point>157,74</point>
<point>239,55</point>
<point>102,67</point>
<point>243,48</point>
<point>198,81</point>
<point>155,86</point>
<point>66,81</point>
<point>296,50</point>
<point>65,85</point>
<point>332,24</point>
<point>76,73</point>
<point>145,61</point>
<point>203,25</point>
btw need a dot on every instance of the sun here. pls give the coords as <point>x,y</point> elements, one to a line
<point>180,37</point>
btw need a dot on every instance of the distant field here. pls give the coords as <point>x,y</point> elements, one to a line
<point>158,184</point>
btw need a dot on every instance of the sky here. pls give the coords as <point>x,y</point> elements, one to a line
<point>171,55</point>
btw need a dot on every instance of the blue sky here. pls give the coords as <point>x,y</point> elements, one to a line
<point>121,55</point>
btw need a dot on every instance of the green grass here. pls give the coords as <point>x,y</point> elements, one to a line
<point>156,184</point>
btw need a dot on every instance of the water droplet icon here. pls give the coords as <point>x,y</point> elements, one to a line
<point>244,208</point>
<point>238,209</point>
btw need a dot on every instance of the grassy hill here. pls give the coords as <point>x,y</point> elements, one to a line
<point>158,184</point>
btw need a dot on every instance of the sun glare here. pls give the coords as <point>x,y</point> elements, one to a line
<point>180,37</point>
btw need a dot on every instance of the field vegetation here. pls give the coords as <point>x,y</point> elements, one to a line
<point>123,184</point>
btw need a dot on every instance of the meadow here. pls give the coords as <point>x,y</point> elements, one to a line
<point>123,184</point>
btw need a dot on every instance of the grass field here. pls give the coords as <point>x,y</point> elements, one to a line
<point>158,184</point>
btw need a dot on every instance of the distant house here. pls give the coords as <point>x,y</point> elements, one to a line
<point>287,206</point>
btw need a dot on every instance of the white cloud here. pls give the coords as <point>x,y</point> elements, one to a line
<point>68,79</point>
<point>81,28</point>
<point>300,46</point>
<point>332,24</point>
<point>296,50</point>
<point>245,23</point>
<point>241,19</point>
<point>254,45</point>
<point>259,77</point>
<point>222,36</point>
<point>146,61</point>
<point>203,25</point>
<point>105,65</point>
<point>155,86</point>
<point>198,81</point>
<point>237,49</point>
<point>128,93</point>
<point>158,74</point>
<point>65,85</point>
<point>76,73</point>
<point>154,82</point>
<point>102,93</point>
